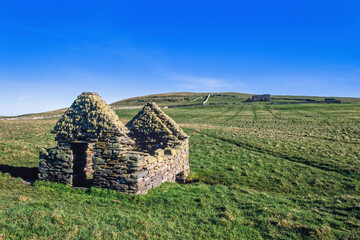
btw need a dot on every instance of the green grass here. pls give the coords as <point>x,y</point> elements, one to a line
<point>257,172</point>
<point>220,99</point>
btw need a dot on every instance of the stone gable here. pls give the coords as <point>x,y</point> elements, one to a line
<point>88,118</point>
<point>152,129</point>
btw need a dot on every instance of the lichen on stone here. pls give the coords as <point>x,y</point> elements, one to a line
<point>89,117</point>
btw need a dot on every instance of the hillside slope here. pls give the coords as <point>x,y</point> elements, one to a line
<point>257,172</point>
<point>181,98</point>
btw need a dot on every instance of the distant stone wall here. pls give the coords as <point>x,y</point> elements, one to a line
<point>29,118</point>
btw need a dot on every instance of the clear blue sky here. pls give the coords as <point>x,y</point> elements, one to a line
<point>51,51</point>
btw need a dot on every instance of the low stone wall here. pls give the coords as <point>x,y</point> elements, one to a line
<point>118,166</point>
<point>170,164</point>
<point>136,172</point>
<point>56,164</point>
<point>29,118</point>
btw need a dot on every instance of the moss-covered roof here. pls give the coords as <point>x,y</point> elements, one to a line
<point>88,118</point>
<point>153,125</point>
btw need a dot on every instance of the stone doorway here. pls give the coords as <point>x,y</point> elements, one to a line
<point>82,165</point>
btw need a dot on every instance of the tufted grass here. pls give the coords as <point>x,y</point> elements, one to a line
<point>257,172</point>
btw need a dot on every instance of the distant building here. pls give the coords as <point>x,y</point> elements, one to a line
<point>261,98</point>
<point>331,100</point>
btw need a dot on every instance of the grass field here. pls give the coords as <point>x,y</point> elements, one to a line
<point>257,172</point>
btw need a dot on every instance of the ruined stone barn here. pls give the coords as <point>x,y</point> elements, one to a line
<point>94,148</point>
<point>261,98</point>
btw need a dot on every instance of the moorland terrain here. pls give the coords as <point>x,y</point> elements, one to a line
<point>258,171</point>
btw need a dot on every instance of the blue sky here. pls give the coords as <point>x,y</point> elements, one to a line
<point>51,51</point>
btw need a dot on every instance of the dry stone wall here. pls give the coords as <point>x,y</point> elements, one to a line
<point>137,172</point>
<point>56,164</point>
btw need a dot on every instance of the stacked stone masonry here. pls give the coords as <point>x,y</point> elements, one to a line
<point>95,149</point>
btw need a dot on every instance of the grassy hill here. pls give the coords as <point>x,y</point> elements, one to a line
<point>181,98</point>
<point>187,98</point>
<point>257,172</point>
<point>163,99</point>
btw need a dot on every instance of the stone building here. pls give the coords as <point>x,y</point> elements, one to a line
<point>94,148</point>
<point>331,100</point>
<point>261,98</point>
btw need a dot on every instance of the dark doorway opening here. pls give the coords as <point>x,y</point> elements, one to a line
<point>82,165</point>
<point>180,177</point>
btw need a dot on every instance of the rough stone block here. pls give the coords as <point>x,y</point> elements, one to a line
<point>140,184</point>
<point>159,152</point>
<point>170,151</point>
<point>139,174</point>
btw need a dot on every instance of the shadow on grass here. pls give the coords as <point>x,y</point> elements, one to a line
<point>25,173</point>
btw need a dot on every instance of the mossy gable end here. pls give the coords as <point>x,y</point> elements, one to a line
<point>94,148</point>
<point>88,119</point>
<point>153,129</point>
